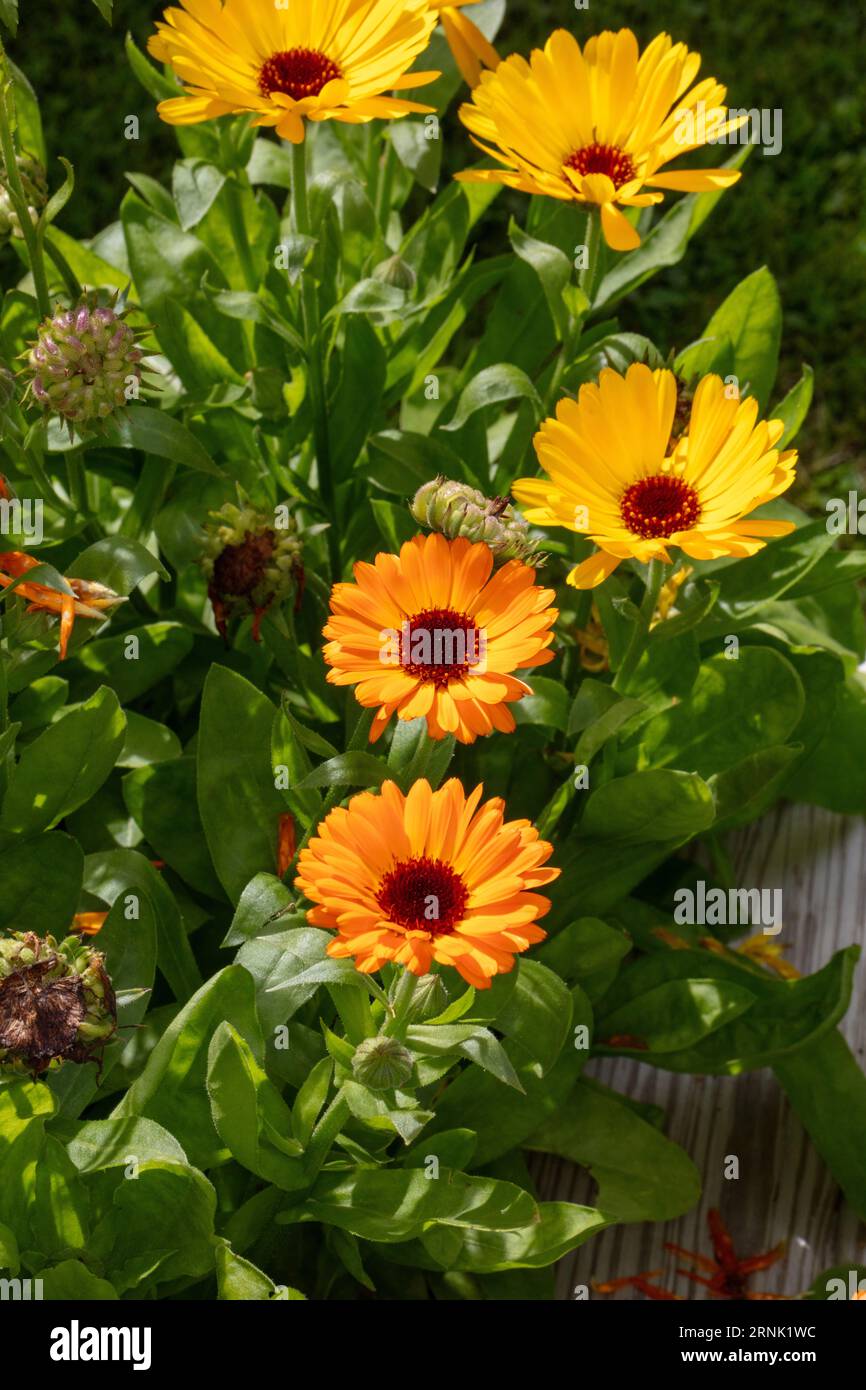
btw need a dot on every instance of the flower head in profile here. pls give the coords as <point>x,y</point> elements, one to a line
<point>598,125</point>
<point>57,1003</point>
<point>85,598</point>
<point>250,563</point>
<point>471,51</point>
<point>429,633</point>
<point>428,877</point>
<point>311,60</point>
<point>618,473</point>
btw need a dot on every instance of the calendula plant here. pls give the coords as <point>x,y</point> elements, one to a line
<point>310,461</point>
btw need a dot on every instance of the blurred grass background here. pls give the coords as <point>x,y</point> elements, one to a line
<point>800,212</point>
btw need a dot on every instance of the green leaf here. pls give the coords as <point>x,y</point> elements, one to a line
<point>502,382</point>
<point>238,1279</point>
<point>118,562</point>
<point>277,962</point>
<point>162,799</point>
<point>548,704</point>
<point>40,884</point>
<point>788,1014</point>
<point>310,1100</point>
<point>65,765</point>
<point>147,742</point>
<point>678,1014</point>
<point>171,1090</point>
<point>832,775</point>
<point>827,1088</point>
<point>552,267</point>
<point>119,872</point>
<point>264,899</point>
<point>135,661</point>
<point>24,1108</point>
<point>72,1281</point>
<point>467,1040</point>
<point>794,407</point>
<point>105,7</point>
<point>101,1144</point>
<point>196,184</point>
<point>9,15</point>
<point>392,1205</point>
<point>234,769</point>
<point>559,1228</point>
<point>249,1113</point>
<point>158,1229</point>
<point>751,318</point>
<point>151,430</point>
<point>735,709</point>
<point>395,523</point>
<point>347,770</point>
<point>641,1175</point>
<point>416,152</point>
<point>650,806</point>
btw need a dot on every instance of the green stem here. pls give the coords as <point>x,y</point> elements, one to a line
<point>587,281</point>
<point>315,366</point>
<point>152,485</point>
<point>70,280</point>
<point>397,1024</point>
<point>386,188</point>
<point>239,234</point>
<point>635,649</point>
<point>19,202</point>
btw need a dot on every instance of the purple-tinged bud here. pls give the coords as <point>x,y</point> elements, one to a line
<point>81,362</point>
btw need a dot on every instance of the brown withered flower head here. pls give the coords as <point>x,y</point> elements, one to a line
<point>57,1003</point>
<point>251,563</point>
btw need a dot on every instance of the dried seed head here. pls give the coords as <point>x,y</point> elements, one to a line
<point>456,509</point>
<point>56,1003</point>
<point>250,563</point>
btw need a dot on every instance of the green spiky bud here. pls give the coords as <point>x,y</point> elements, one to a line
<point>56,1003</point>
<point>251,561</point>
<point>382,1063</point>
<point>456,509</point>
<point>85,364</point>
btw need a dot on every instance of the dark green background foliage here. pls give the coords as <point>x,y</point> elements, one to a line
<point>798,212</point>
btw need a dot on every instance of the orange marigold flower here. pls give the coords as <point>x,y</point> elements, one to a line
<point>86,598</point>
<point>429,633</point>
<point>432,876</point>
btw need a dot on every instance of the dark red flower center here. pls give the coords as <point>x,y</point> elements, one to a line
<point>238,569</point>
<point>440,645</point>
<point>297,72</point>
<point>659,506</point>
<point>603,159</point>
<point>423,894</point>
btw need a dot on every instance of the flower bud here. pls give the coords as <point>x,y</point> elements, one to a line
<point>456,509</point>
<point>56,1003</point>
<point>35,186</point>
<point>397,272</point>
<point>429,998</point>
<point>382,1063</point>
<point>83,363</point>
<point>250,564</point>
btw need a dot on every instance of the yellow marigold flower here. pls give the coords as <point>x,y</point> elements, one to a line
<point>598,125</point>
<point>314,60</point>
<point>616,475</point>
<point>429,633</point>
<point>427,877</point>
<point>471,51</point>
